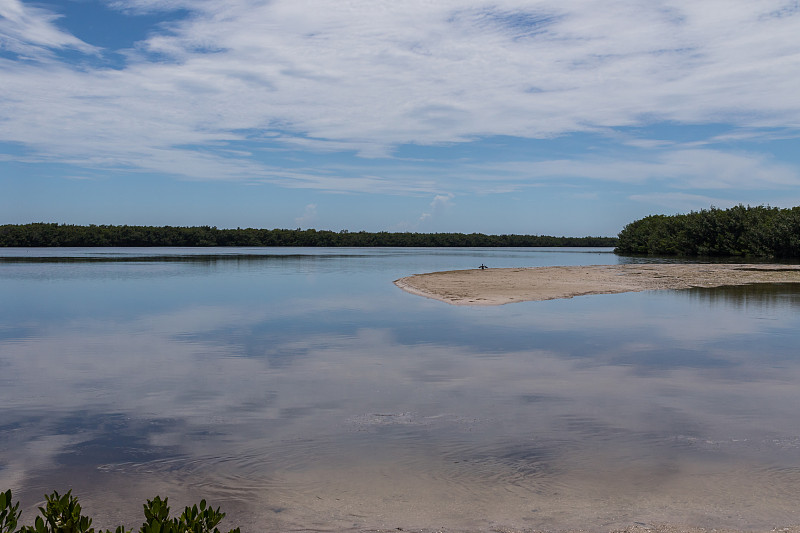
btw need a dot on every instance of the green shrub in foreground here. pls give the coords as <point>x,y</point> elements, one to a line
<point>62,514</point>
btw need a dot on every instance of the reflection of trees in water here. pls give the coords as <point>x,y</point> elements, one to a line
<point>770,296</point>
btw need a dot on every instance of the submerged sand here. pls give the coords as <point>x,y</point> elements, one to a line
<point>497,286</point>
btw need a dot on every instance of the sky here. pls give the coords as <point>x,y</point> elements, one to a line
<point>568,117</point>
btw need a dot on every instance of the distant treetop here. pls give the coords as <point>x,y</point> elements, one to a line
<point>51,234</point>
<point>762,231</point>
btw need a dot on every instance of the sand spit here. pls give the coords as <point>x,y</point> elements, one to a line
<point>648,528</point>
<point>497,286</point>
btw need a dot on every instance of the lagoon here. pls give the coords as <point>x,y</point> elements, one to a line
<point>299,389</point>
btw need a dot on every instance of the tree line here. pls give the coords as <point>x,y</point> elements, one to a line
<point>50,234</point>
<point>762,231</point>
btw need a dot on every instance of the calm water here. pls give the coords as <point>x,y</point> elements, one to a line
<point>299,389</point>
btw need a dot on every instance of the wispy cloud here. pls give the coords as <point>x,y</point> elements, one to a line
<point>31,31</point>
<point>308,217</point>
<point>368,77</point>
<point>682,202</point>
<point>685,168</point>
<point>440,204</point>
<point>713,169</point>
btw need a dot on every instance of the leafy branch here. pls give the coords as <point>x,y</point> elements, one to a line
<point>62,514</point>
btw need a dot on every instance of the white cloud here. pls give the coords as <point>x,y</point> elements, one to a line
<point>684,168</point>
<point>440,203</point>
<point>29,31</point>
<point>309,216</point>
<point>368,76</point>
<point>151,6</point>
<point>713,169</point>
<point>682,202</point>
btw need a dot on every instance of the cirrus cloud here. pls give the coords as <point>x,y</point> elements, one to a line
<point>203,96</point>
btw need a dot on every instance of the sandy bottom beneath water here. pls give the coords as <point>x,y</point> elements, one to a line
<point>507,285</point>
<point>359,502</point>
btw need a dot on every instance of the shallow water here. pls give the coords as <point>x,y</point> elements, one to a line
<point>301,390</point>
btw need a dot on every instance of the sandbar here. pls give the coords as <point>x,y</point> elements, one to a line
<point>498,286</point>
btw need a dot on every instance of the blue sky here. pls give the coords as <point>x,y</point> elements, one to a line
<point>506,116</point>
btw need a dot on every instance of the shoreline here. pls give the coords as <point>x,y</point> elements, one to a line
<point>499,286</point>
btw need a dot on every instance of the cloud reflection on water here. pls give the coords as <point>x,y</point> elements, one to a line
<point>572,404</point>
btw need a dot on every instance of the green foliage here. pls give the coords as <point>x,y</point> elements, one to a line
<point>62,514</point>
<point>195,519</point>
<point>9,514</point>
<point>45,234</point>
<point>767,232</point>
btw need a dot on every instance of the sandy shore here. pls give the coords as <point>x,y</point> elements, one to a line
<point>507,285</point>
<point>650,528</point>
